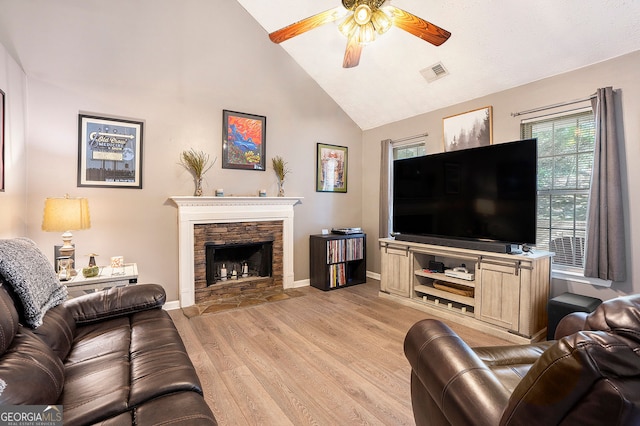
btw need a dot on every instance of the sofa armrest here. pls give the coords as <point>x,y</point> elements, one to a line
<point>512,354</point>
<point>570,324</point>
<point>115,302</point>
<point>458,381</point>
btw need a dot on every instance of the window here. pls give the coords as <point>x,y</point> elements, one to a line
<point>565,161</point>
<point>414,146</point>
<point>408,151</point>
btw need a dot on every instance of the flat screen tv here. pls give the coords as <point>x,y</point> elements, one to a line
<point>482,198</point>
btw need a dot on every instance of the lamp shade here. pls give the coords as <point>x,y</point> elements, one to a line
<point>66,214</point>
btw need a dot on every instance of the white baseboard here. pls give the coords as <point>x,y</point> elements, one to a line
<point>373,275</point>
<point>169,306</point>
<point>307,282</point>
<point>301,283</point>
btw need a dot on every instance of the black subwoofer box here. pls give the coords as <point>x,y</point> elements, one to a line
<point>566,303</point>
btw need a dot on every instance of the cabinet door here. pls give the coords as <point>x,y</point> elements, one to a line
<point>395,276</point>
<point>498,297</point>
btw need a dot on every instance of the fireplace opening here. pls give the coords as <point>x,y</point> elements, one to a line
<point>227,262</point>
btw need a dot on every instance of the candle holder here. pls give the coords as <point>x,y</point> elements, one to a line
<point>223,273</point>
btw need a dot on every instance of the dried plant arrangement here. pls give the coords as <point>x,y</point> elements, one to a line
<point>281,170</point>
<point>197,163</point>
<point>280,167</point>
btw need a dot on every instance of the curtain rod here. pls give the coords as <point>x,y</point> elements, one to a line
<point>561,104</point>
<point>408,138</point>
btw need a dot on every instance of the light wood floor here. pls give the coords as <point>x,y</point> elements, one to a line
<point>326,358</point>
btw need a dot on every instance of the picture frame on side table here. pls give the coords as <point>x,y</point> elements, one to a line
<point>243,141</point>
<point>469,129</point>
<point>2,106</point>
<point>109,152</point>
<point>331,168</point>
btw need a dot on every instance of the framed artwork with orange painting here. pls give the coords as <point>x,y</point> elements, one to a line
<point>243,140</point>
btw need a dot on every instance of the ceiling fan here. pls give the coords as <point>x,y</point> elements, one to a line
<point>365,19</point>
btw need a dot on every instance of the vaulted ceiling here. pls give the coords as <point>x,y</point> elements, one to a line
<point>495,45</point>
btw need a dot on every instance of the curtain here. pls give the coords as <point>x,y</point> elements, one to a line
<point>385,188</point>
<point>605,256</point>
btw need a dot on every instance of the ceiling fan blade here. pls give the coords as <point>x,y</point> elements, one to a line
<point>307,24</point>
<point>352,54</point>
<point>419,27</point>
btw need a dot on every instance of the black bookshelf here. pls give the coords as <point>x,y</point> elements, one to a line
<point>337,260</point>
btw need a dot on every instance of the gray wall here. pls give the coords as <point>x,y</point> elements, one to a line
<point>621,73</point>
<point>13,199</point>
<point>182,108</point>
<point>244,72</point>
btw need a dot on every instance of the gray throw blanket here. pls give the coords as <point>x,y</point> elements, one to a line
<point>28,272</point>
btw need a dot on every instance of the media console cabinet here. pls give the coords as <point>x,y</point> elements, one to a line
<point>507,296</point>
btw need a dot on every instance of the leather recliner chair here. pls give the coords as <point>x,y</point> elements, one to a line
<point>590,375</point>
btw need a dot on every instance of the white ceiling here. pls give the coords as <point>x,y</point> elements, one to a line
<point>495,45</point>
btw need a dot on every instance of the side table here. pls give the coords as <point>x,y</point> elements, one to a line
<point>106,278</point>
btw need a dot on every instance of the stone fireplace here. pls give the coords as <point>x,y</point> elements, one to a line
<point>232,222</point>
<point>236,243</point>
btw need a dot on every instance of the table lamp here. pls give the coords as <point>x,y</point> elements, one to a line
<point>66,215</point>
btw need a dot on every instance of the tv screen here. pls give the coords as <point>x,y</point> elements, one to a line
<point>486,194</point>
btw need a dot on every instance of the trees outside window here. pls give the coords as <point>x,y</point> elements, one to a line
<point>565,162</point>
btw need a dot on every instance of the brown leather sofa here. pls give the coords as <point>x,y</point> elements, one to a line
<point>110,357</point>
<point>590,375</point>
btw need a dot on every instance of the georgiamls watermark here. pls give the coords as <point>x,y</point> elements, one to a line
<point>31,415</point>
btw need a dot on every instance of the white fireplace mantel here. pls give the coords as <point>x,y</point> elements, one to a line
<point>203,210</point>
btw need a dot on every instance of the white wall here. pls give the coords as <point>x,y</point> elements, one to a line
<point>13,199</point>
<point>232,65</point>
<point>621,73</point>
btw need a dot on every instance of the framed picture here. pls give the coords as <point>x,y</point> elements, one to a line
<point>468,130</point>
<point>243,141</point>
<point>1,141</point>
<point>331,168</point>
<point>109,152</point>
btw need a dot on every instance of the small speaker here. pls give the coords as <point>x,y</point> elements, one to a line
<point>436,266</point>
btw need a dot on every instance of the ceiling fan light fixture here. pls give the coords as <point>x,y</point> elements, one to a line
<point>348,26</point>
<point>367,33</point>
<point>364,20</point>
<point>362,14</point>
<point>381,21</point>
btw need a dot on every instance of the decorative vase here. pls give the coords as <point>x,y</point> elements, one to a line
<point>281,188</point>
<point>198,192</point>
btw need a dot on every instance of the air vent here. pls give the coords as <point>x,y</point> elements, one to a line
<point>434,72</point>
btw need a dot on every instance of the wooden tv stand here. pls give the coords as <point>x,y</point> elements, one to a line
<point>507,296</point>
